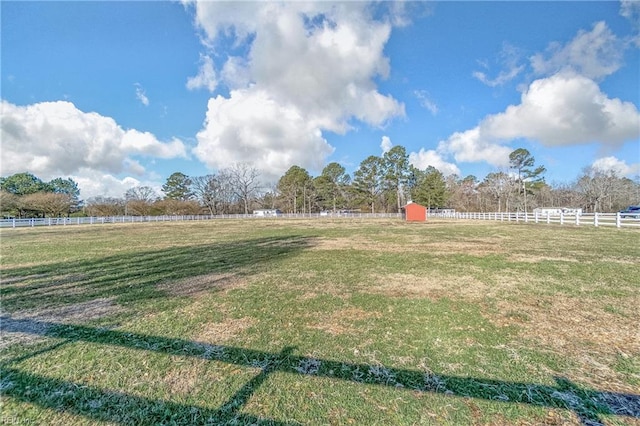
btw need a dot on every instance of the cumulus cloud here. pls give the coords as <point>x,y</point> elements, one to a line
<point>52,139</point>
<point>249,126</point>
<point>314,63</point>
<point>425,158</point>
<point>140,95</point>
<point>594,54</point>
<point>386,144</point>
<point>93,183</point>
<point>206,78</point>
<point>613,164</point>
<point>472,146</point>
<point>565,109</point>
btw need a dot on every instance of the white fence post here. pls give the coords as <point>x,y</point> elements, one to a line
<point>595,219</point>
<point>577,219</point>
<point>561,218</point>
<point>618,221</point>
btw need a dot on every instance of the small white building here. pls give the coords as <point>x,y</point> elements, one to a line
<point>267,213</point>
<point>557,211</point>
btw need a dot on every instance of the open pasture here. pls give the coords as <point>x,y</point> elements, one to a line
<point>289,322</point>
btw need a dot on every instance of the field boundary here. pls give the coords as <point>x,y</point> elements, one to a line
<point>584,219</point>
<point>563,219</point>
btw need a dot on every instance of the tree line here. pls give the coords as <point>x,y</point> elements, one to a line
<point>380,184</point>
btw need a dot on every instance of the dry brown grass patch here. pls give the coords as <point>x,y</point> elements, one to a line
<point>218,332</point>
<point>29,326</point>
<point>579,329</point>
<point>201,284</point>
<point>183,378</point>
<point>342,321</point>
<point>475,247</point>
<point>434,286</point>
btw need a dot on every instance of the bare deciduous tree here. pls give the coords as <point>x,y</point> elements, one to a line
<point>244,182</point>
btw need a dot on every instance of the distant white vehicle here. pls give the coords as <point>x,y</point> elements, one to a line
<point>557,211</point>
<point>267,213</point>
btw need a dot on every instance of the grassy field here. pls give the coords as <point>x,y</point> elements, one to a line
<point>320,322</point>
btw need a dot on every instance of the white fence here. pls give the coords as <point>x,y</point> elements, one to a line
<point>584,219</point>
<point>67,221</point>
<point>591,219</point>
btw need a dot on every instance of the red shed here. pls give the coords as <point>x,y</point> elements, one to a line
<point>415,212</point>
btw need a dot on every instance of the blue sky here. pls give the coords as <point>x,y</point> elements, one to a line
<point>120,94</point>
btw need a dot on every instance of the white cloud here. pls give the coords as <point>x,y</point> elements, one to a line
<point>620,167</point>
<point>423,159</point>
<point>140,95</point>
<point>565,109</point>
<point>316,63</point>
<point>594,54</point>
<point>93,183</point>
<point>235,73</point>
<point>630,9</point>
<point>509,60</point>
<point>386,144</point>
<point>426,102</point>
<point>206,77</point>
<point>472,146</point>
<point>251,127</point>
<point>53,139</point>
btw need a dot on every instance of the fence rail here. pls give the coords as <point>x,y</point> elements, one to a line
<point>590,219</point>
<point>582,219</point>
<point>101,220</point>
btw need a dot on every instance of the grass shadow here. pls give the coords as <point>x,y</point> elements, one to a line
<point>588,404</point>
<point>136,277</point>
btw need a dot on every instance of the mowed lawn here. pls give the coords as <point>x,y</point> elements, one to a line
<point>317,322</point>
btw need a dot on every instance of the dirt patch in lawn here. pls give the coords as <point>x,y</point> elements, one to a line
<point>32,325</point>
<point>433,286</point>
<point>201,284</point>
<point>472,247</point>
<point>343,321</point>
<point>218,332</point>
<point>184,378</point>
<point>413,244</point>
<point>580,329</point>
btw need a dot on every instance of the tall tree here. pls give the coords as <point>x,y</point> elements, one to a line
<point>499,186</point>
<point>431,189</point>
<point>396,172</point>
<point>529,176</point>
<point>244,182</point>
<point>48,203</point>
<point>208,190</point>
<point>292,187</point>
<point>368,180</point>
<point>139,200</point>
<point>595,186</point>
<point>141,193</point>
<point>178,187</point>
<point>23,184</point>
<point>105,206</point>
<point>332,183</point>
<point>68,187</point>
<point>9,204</point>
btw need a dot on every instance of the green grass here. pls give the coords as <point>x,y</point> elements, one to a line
<point>320,322</point>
